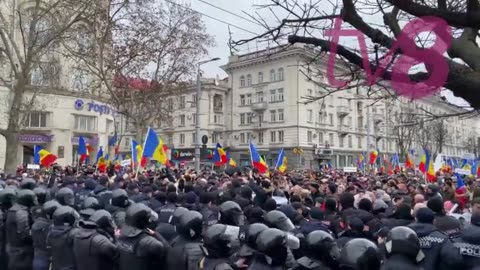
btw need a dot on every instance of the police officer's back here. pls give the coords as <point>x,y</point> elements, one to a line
<point>138,246</point>
<point>248,249</point>
<point>93,245</point>
<point>41,194</point>
<point>18,226</point>
<point>165,212</point>
<point>360,254</point>
<point>60,238</point>
<point>217,247</point>
<point>436,245</point>
<point>119,206</point>
<point>467,243</point>
<point>90,205</point>
<point>321,252</point>
<point>186,249</point>
<point>40,230</point>
<point>65,197</point>
<point>403,250</point>
<point>7,199</point>
<point>167,230</point>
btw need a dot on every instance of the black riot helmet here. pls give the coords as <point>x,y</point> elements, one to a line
<point>252,233</point>
<point>277,219</point>
<point>140,216</point>
<point>104,221</point>
<point>49,208</point>
<point>41,194</point>
<point>231,214</point>
<point>65,196</point>
<point>65,215</point>
<point>360,254</point>
<point>322,246</point>
<point>26,197</point>
<point>28,183</point>
<point>190,225</point>
<point>92,203</point>
<point>120,198</point>
<point>274,243</point>
<point>404,241</point>
<point>177,214</point>
<point>217,239</point>
<point>7,197</point>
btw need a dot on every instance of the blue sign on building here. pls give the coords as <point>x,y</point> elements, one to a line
<point>101,109</point>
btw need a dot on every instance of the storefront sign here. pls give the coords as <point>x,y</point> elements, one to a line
<point>189,154</point>
<point>34,138</point>
<point>99,108</point>
<point>91,141</point>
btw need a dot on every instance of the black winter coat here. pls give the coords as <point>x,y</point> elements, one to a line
<point>399,262</point>
<point>19,241</point>
<point>467,244</point>
<point>184,254</point>
<point>60,241</point>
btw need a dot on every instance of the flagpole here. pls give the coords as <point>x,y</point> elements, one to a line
<point>141,156</point>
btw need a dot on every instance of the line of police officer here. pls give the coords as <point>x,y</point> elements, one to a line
<point>40,234</point>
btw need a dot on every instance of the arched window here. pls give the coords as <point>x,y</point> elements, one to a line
<point>249,80</point>
<point>260,77</point>
<point>273,75</point>
<point>280,74</point>
<point>242,81</point>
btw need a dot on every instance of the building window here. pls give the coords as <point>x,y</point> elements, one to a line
<point>181,102</point>
<point>215,137</point>
<point>330,139</point>
<point>242,119</point>
<point>260,77</point>
<point>260,137</point>
<point>273,75</point>
<point>280,115</point>
<point>340,141</point>
<point>36,120</point>
<point>359,142</point>
<point>280,136</point>
<point>309,116</point>
<point>217,119</point>
<point>273,136</point>
<point>182,120</point>
<point>182,139</point>
<point>242,81</point>
<point>280,74</point>
<point>350,142</point>
<point>320,137</point>
<point>85,123</point>
<point>81,80</point>
<point>330,116</point>
<point>260,117</point>
<point>194,137</point>
<point>259,97</point>
<point>170,104</point>
<point>194,118</point>
<point>250,118</point>
<point>273,95</point>
<point>249,99</point>
<point>309,136</point>
<point>280,94</point>
<point>349,121</point>
<point>273,116</point>
<point>242,138</point>
<point>360,122</point>
<point>242,100</point>
<point>249,80</point>
<point>194,101</point>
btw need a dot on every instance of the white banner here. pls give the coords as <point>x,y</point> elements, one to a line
<point>126,162</point>
<point>350,169</point>
<point>33,166</point>
<point>462,171</point>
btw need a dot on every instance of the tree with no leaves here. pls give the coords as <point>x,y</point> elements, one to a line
<point>141,54</point>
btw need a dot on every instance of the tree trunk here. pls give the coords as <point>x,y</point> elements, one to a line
<point>11,152</point>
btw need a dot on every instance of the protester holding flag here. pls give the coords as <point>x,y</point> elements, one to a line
<point>257,160</point>
<point>281,164</point>
<point>43,157</point>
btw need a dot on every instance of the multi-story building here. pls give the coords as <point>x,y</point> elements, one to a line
<point>268,104</point>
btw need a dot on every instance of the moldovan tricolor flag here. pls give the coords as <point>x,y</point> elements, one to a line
<point>257,160</point>
<point>425,161</point>
<point>219,156</point>
<point>153,147</point>
<point>281,165</point>
<point>373,156</point>
<point>42,156</point>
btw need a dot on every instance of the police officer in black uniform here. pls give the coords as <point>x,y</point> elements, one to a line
<point>436,245</point>
<point>217,249</point>
<point>278,220</point>
<point>272,246</point>
<point>403,250</point>
<point>40,229</point>
<point>138,246</point>
<point>84,192</point>
<point>118,207</point>
<point>467,243</point>
<point>28,183</point>
<point>41,194</point>
<point>186,249</point>
<point>167,230</point>
<point>90,205</point>
<point>18,226</point>
<point>360,254</point>
<point>209,211</point>
<point>248,249</point>
<point>93,245</point>
<point>231,214</point>
<point>165,212</point>
<point>60,238</point>
<point>7,198</point>
<point>321,252</point>
<point>65,197</point>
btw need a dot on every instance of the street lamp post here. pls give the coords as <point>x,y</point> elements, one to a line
<point>197,115</point>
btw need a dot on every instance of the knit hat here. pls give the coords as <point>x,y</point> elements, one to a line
<point>425,215</point>
<point>436,204</point>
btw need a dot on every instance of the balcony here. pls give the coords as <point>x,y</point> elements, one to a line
<point>342,111</point>
<point>378,118</point>
<point>259,106</point>
<point>343,130</point>
<point>260,125</point>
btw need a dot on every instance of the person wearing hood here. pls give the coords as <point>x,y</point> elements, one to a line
<point>60,238</point>
<point>139,247</point>
<point>40,229</point>
<point>443,222</point>
<point>467,244</point>
<point>101,191</point>
<point>93,245</point>
<point>18,228</point>
<point>436,245</point>
<point>401,217</point>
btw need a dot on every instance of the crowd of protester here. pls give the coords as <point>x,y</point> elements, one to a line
<point>236,219</point>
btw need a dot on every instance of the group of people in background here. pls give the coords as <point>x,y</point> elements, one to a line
<point>236,219</point>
